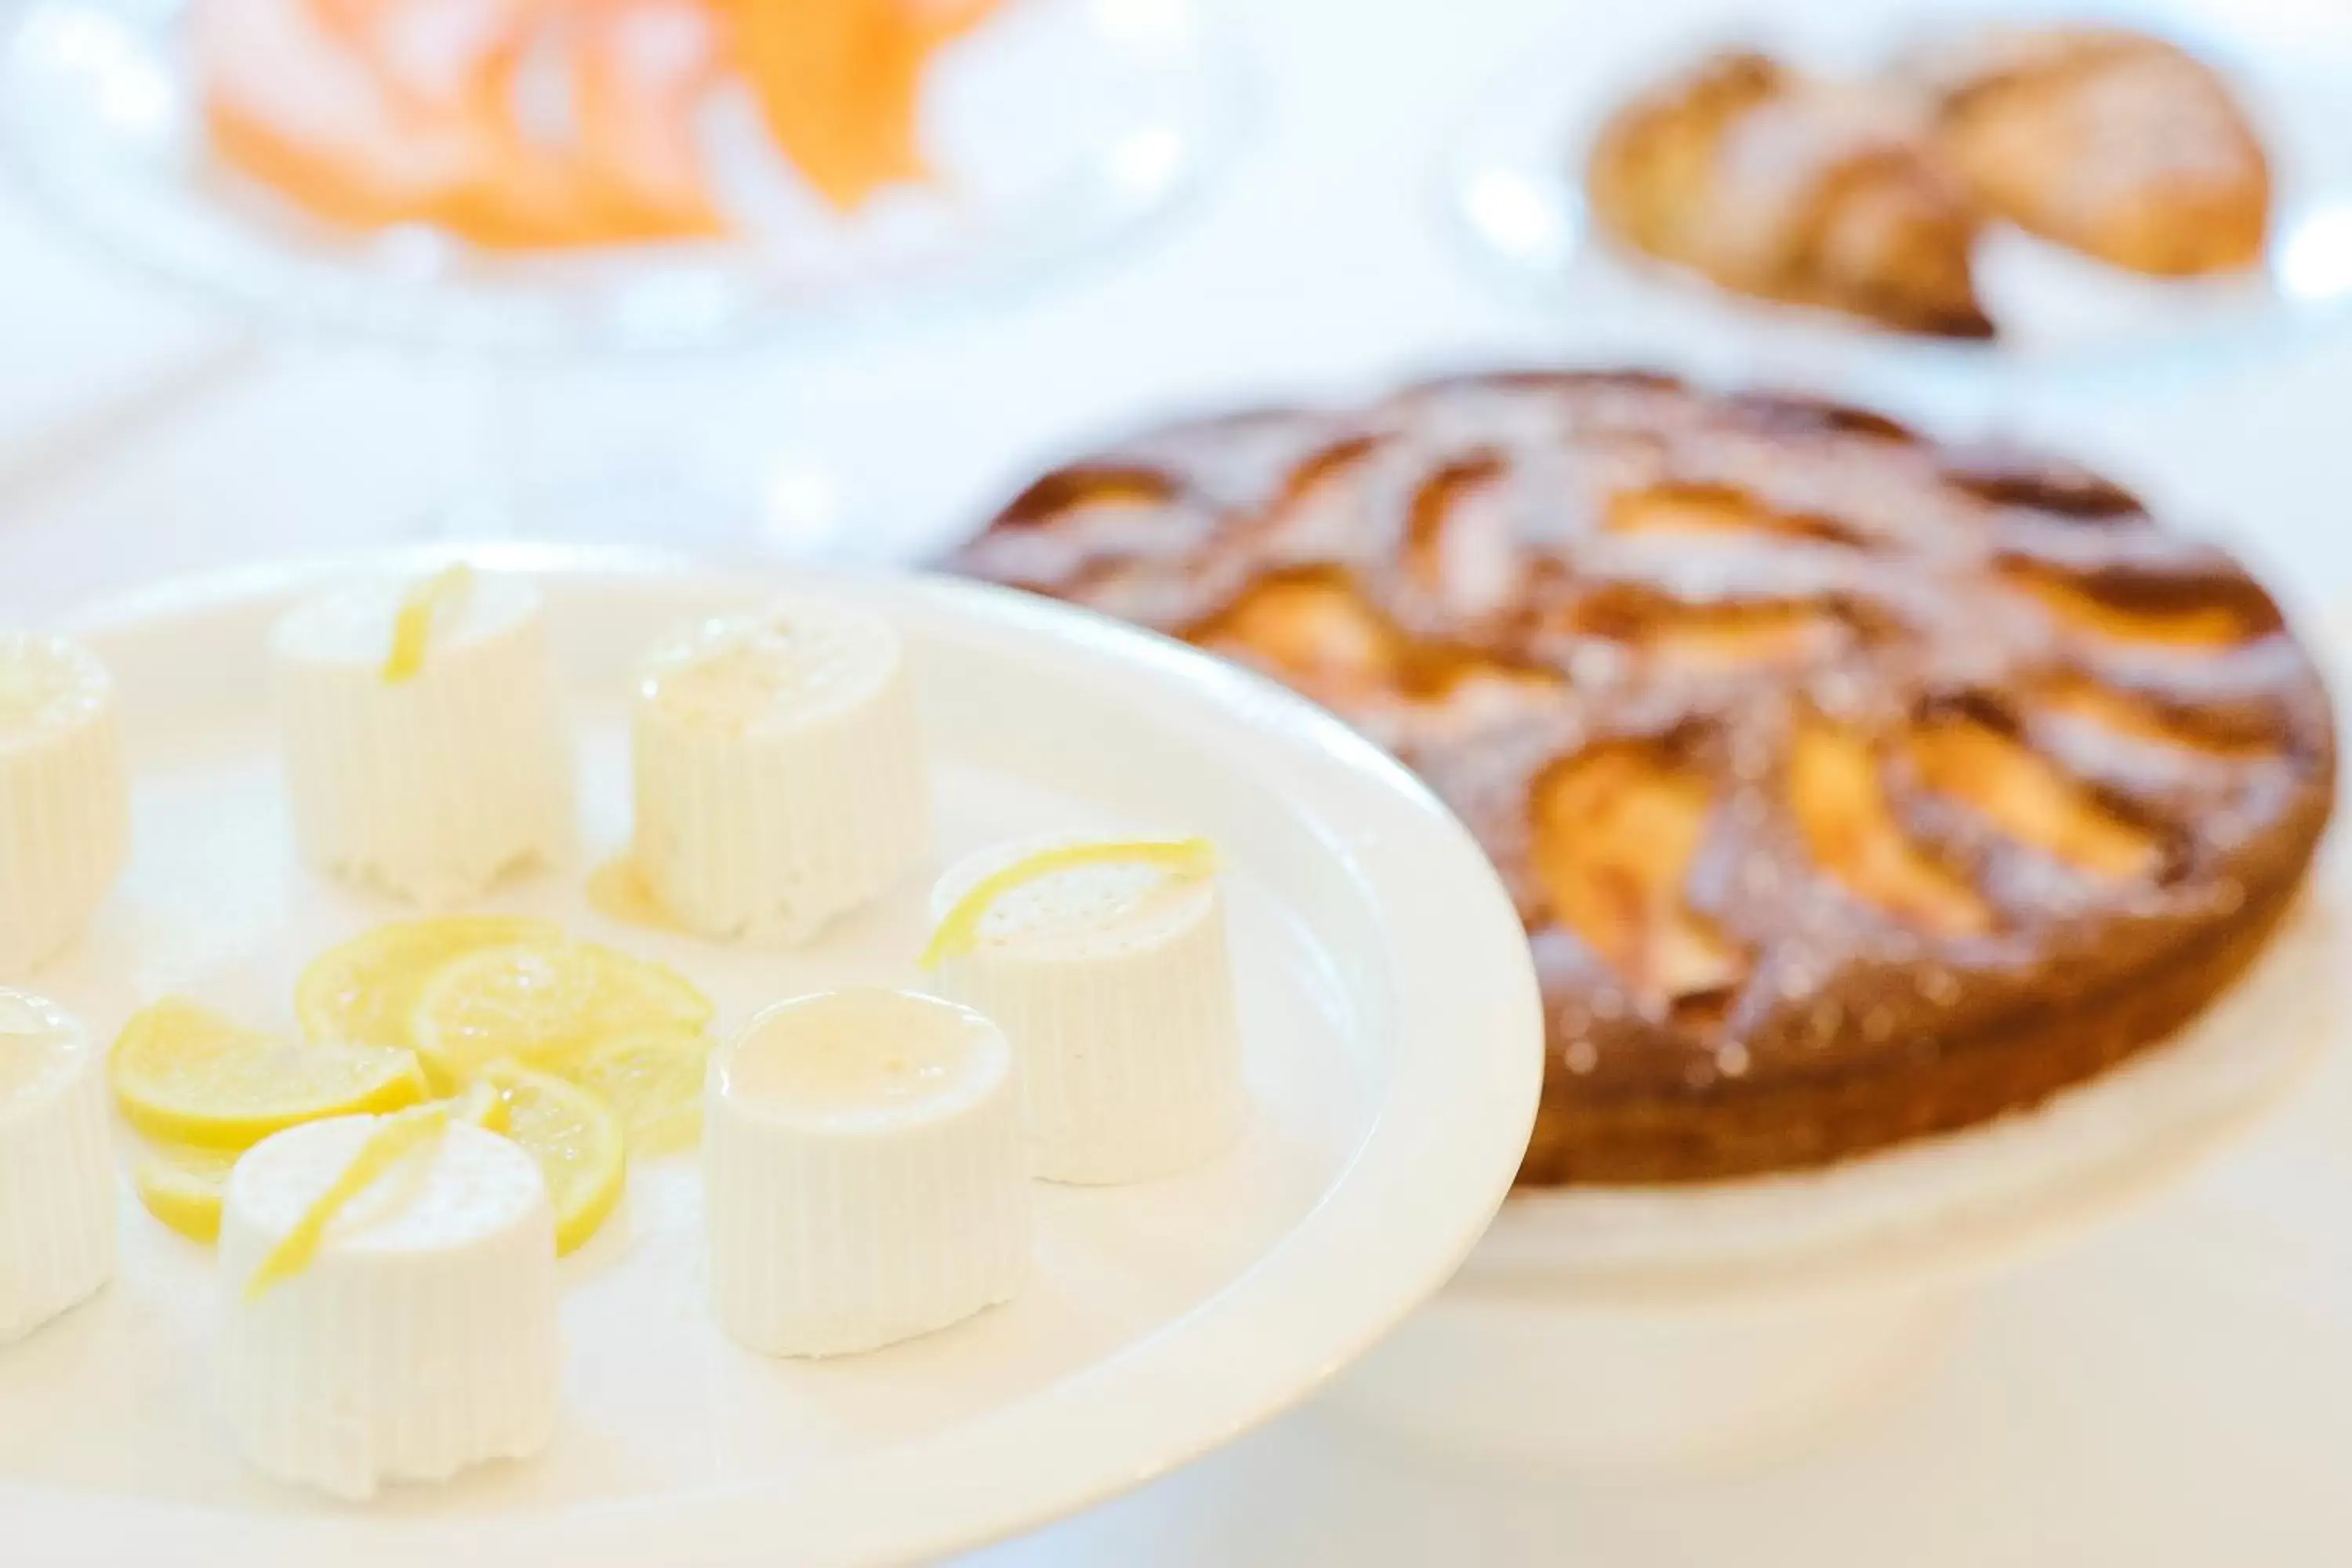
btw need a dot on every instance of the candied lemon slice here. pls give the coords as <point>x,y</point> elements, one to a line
<point>412,626</point>
<point>479,1104</point>
<point>365,991</point>
<point>394,1139</point>
<point>1186,859</point>
<point>578,1141</point>
<point>654,1080</point>
<point>184,1187</point>
<point>546,1004</point>
<point>182,1074</point>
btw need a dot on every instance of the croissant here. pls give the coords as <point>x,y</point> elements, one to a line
<point>2108,141</point>
<point>1771,183</point>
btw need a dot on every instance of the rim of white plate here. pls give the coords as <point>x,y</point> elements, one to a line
<point>1436,1160</point>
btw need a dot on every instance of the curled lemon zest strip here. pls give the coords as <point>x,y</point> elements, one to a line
<point>394,1139</point>
<point>1184,859</point>
<point>412,628</point>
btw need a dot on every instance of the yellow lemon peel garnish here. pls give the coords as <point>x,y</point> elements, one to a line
<point>479,1104</point>
<point>653,1080</point>
<point>1184,859</point>
<point>182,1074</point>
<point>183,1187</point>
<point>546,1004</point>
<point>412,628</point>
<point>365,991</point>
<point>578,1141</point>
<point>394,1139</point>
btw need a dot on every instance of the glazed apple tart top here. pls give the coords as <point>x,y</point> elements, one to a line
<point>1852,786</point>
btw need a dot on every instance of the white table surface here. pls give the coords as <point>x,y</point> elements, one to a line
<point>2176,1391</point>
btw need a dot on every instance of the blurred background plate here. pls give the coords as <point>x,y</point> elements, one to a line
<point>1514,178</point>
<point>1056,127</point>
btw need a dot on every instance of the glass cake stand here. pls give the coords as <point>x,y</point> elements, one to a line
<point>1059,129</point>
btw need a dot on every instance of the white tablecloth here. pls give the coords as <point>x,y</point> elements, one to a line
<point>2179,1392</point>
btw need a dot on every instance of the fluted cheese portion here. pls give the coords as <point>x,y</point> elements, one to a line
<point>864,1171</point>
<point>419,1339</point>
<point>57,1177</point>
<point>434,785</point>
<point>779,774</point>
<point>1114,986</point>
<point>64,800</point>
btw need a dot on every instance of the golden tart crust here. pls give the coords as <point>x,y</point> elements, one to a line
<point>1852,787</point>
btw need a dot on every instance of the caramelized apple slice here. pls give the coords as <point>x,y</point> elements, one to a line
<point>1616,828</point>
<point>1314,628</point>
<point>1315,514</point>
<point>1730,636</point>
<point>1717,636</point>
<point>1712,510</point>
<point>1461,544</point>
<point>1079,491</point>
<point>2171,620</point>
<point>1451,695</point>
<point>2139,720</point>
<point>1841,807</point>
<point>2027,798</point>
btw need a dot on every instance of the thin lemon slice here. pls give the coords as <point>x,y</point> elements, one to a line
<point>185,1075</point>
<point>654,1080</point>
<point>365,991</point>
<point>186,1187</point>
<point>578,1141</point>
<point>546,1004</point>
<point>412,626</point>
<point>394,1139</point>
<point>1186,859</point>
<point>479,1104</point>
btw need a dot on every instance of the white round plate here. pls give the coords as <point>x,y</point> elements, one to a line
<point>1056,127</point>
<point>1393,1039</point>
<point>1514,178</point>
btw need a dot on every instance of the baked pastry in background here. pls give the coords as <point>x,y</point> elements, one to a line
<point>2108,141</point>
<point>1867,196</point>
<point>1769,181</point>
<point>1852,787</point>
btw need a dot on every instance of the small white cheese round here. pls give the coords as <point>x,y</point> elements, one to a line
<point>64,797</point>
<point>779,774</point>
<point>1114,986</point>
<point>433,786</point>
<point>864,1173</point>
<point>419,1339</point>
<point>57,1177</point>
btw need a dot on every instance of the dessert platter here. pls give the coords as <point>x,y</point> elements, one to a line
<point>2029,187</point>
<point>524,1052</point>
<point>1887,818</point>
<point>643,174</point>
